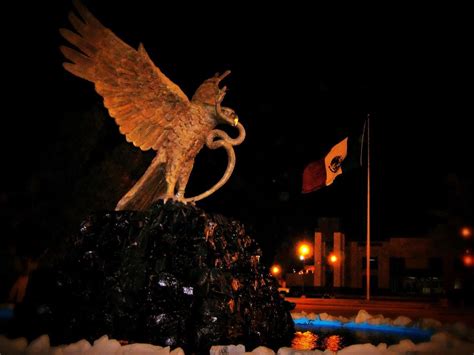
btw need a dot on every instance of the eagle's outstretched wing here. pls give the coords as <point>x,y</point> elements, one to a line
<point>141,99</point>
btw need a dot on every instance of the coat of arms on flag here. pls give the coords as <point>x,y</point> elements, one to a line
<point>322,172</point>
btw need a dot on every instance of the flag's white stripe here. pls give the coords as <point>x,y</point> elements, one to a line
<point>339,150</point>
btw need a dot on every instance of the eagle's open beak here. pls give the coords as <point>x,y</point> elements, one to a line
<point>236,121</point>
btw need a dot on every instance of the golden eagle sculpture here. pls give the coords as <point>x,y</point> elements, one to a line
<point>150,110</point>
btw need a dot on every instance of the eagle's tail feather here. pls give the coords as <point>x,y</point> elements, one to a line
<point>140,198</point>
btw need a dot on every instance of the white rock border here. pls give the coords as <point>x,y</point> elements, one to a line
<point>454,338</point>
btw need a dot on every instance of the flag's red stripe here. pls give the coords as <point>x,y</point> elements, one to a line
<point>314,176</point>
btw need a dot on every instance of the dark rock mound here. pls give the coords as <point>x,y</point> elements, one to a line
<point>173,275</point>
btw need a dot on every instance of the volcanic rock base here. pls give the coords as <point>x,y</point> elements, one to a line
<point>173,275</point>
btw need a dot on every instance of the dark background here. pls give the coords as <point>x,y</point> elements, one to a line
<point>301,80</point>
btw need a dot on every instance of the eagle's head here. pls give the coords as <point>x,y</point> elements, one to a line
<point>227,115</point>
<point>210,94</point>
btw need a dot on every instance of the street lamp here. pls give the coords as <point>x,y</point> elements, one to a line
<point>468,259</point>
<point>304,251</point>
<point>276,270</point>
<point>466,232</point>
<point>333,259</point>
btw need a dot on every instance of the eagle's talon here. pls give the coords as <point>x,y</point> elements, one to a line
<point>179,197</point>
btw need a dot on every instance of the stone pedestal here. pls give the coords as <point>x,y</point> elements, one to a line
<point>173,275</point>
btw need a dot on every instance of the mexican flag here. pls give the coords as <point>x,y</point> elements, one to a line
<point>322,172</point>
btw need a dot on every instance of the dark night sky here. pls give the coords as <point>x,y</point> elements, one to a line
<point>298,86</point>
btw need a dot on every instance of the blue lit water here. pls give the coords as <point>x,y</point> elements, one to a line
<point>341,335</point>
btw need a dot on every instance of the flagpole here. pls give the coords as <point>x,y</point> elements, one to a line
<point>368,212</point>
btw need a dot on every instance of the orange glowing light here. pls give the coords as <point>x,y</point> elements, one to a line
<point>275,270</point>
<point>466,232</point>
<point>333,343</point>
<point>468,260</point>
<point>304,249</point>
<point>333,258</point>
<point>304,341</point>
